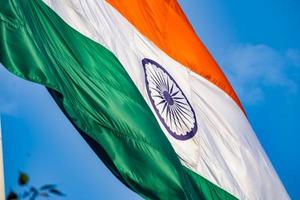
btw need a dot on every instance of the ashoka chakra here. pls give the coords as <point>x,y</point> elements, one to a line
<point>169,102</point>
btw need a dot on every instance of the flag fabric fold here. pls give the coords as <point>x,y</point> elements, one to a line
<point>149,99</point>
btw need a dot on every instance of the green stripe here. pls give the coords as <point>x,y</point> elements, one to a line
<point>100,99</point>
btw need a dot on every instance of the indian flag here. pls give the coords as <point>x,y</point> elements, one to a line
<point>144,92</point>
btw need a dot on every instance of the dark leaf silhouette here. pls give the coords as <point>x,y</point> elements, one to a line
<point>29,192</point>
<point>47,187</point>
<point>56,192</point>
<point>25,194</point>
<point>12,196</point>
<point>34,193</point>
<point>44,194</point>
<point>34,190</point>
<point>23,179</point>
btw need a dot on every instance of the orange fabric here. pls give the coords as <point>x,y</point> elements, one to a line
<point>165,24</point>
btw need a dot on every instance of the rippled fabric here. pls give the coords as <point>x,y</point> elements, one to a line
<point>97,95</point>
<point>165,24</point>
<point>221,146</point>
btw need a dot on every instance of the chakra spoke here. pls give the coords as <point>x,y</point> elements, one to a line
<point>158,91</point>
<point>178,116</point>
<point>175,118</point>
<point>183,107</point>
<point>178,101</point>
<point>163,101</point>
<point>174,94</point>
<point>162,80</point>
<point>164,108</point>
<point>155,82</point>
<point>155,79</point>
<point>168,85</point>
<point>172,88</point>
<point>182,119</point>
<point>159,80</point>
<point>183,111</point>
<point>178,98</point>
<point>158,96</point>
<point>168,115</point>
<point>169,102</point>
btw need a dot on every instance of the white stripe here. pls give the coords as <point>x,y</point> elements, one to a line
<point>225,149</point>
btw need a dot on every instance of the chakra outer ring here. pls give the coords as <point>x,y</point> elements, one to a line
<point>193,130</point>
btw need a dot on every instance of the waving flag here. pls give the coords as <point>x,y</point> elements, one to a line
<point>144,92</point>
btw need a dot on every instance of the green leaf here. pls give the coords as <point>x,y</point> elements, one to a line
<point>23,179</point>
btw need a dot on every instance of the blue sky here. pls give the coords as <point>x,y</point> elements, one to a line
<point>257,45</point>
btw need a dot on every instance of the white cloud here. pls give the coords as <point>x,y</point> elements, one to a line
<point>254,68</point>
